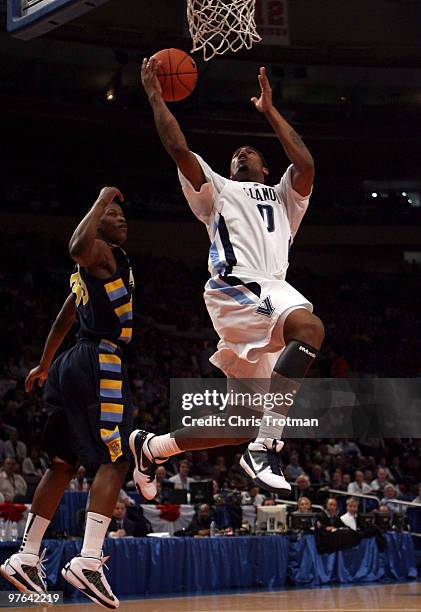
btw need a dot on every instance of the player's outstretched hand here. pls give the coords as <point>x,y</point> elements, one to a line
<point>39,374</point>
<point>109,194</point>
<point>264,102</point>
<point>150,79</point>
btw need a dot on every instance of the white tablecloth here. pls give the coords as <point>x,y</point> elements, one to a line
<point>159,524</point>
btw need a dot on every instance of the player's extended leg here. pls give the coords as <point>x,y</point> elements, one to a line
<point>303,334</point>
<point>150,450</point>
<point>24,569</point>
<point>85,572</point>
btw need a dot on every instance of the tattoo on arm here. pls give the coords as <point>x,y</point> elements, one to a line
<point>297,140</point>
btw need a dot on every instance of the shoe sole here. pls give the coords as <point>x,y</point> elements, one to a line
<point>284,493</point>
<point>149,497</point>
<point>20,587</point>
<point>73,580</point>
<point>132,444</point>
<point>16,583</point>
<point>136,471</point>
<point>247,468</point>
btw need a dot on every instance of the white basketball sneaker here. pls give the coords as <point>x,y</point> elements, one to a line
<point>145,463</point>
<point>87,575</point>
<point>262,463</point>
<point>26,572</point>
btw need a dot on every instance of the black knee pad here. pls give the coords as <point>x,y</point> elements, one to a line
<point>296,360</point>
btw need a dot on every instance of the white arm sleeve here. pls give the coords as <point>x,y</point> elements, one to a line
<point>295,204</point>
<point>203,202</point>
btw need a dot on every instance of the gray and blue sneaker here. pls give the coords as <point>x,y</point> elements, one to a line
<point>261,462</point>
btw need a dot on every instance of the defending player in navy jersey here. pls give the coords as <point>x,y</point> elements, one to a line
<point>87,397</point>
<point>267,329</point>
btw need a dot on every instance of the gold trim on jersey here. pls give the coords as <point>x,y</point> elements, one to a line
<point>79,288</point>
<point>112,438</point>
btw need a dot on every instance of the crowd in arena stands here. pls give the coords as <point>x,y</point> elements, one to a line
<point>163,199</point>
<point>174,338</point>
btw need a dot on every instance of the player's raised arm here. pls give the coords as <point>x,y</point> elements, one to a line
<point>84,247</point>
<point>294,147</point>
<point>168,128</point>
<point>59,330</point>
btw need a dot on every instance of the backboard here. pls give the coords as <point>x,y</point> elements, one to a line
<point>28,19</point>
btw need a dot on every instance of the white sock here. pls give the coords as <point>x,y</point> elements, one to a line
<point>95,532</point>
<point>35,528</point>
<point>271,428</point>
<point>163,447</point>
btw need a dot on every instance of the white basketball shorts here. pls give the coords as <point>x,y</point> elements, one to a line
<point>244,308</point>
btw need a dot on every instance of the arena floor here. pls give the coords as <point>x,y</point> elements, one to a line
<point>373,598</point>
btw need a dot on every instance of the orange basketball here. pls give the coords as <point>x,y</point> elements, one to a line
<point>177,74</point>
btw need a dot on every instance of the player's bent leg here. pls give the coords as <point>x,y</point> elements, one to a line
<point>51,488</point>
<point>86,571</point>
<point>25,568</point>
<point>301,324</point>
<point>106,487</point>
<point>303,334</point>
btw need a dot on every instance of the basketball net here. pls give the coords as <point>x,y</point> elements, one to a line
<point>218,26</point>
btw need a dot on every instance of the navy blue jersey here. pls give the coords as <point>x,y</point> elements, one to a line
<point>104,306</point>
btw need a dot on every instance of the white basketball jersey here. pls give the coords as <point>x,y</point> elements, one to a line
<point>251,225</point>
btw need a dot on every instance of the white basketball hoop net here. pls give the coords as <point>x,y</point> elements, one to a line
<point>217,26</point>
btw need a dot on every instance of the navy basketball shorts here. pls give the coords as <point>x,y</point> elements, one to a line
<point>88,400</point>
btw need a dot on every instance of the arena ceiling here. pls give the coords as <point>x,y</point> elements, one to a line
<point>343,58</point>
<point>338,50</point>
<point>329,32</point>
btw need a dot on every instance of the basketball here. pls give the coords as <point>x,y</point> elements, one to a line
<point>177,74</point>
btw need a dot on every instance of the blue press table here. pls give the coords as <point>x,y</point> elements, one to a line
<point>362,563</point>
<point>151,566</point>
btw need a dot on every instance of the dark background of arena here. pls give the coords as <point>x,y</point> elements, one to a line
<point>350,82</point>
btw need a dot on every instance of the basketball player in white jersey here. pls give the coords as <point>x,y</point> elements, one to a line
<point>266,328</point>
